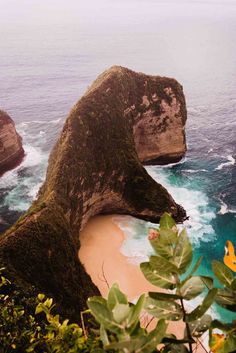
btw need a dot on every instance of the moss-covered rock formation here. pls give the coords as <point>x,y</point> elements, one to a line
<point>94,169</point>
<point>11,150</point>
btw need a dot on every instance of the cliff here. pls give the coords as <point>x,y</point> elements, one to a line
<point>11,150</point>
<point>93,169</point>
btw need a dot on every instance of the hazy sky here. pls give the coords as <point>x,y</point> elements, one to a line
<point>63,11</point>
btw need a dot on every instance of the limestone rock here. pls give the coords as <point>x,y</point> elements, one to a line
<point>11,150</point>
<point>93,169</point>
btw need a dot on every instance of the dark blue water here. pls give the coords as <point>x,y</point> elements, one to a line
<point>45,68</point>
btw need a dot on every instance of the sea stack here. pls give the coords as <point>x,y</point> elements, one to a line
<point>124,119</point>
<point>11,150</point>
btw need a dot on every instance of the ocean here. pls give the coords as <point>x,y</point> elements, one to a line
<point>45,68</point>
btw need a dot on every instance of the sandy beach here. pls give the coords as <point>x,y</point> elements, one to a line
<point>101,241</point>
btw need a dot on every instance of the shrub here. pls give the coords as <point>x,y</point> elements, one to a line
<point>120,322</point>
<point>170,268</point>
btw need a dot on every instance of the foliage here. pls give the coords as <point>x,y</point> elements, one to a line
<point>170,268</point>
<point>121,318</point>
<point>122,328</point>
<point>22,331</point>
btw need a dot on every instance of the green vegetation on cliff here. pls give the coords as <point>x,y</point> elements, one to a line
<point>95,168</point>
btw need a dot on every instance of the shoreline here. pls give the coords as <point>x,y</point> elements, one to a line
<point>101,240</point>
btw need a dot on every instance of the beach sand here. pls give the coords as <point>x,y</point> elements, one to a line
<point>101,240</point>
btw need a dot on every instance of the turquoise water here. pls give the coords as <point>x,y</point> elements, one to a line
<point>46,65</point>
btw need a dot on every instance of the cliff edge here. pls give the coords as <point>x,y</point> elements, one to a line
<point>94,168</point>
<point>11,150</point>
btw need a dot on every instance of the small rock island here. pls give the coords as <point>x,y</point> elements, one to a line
<point>124,120</point>
<point>11,149</point>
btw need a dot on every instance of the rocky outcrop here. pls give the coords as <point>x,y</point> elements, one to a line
<point>94,169</point>
<point>11,150</point>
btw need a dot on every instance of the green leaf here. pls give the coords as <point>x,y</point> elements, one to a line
<point>135,311</point>
<point>115,296</point>
<point>200,310</point>
<point>168,310</point>
<point>154,338</point>
<point>164,296</point>
<point>183,252</point>
<point>230,343</point>
<point>161,264</point>
<point>121,312</point>
<point>199,326</point>
<point>194,269</point>
<point>165,243</point>
<point>167,222</point>
<point>226,298</point>
<point>233,284</point>
<point>103,315</point>
<point>41,296</point>
<point>163,280</point>
<point>223,273</point>
<point>130,345</point>
<point>175,348</point>
<point>104,336</point>
<point>208,281</point>
<point>192,288</point>
<point>196,266</point>
<point>222,325</point>
<point>38,309</point>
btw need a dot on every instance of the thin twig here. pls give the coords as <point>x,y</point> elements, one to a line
<point>104,277</point>
<point>82,322</point>
<point>150,321</point>
<point>201,344</point>
<point>189,335</point>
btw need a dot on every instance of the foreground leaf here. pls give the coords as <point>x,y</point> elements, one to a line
<point>154,338</point>
<point>121,312</point>
<point>135,312</point>
<point>104,336</point>
<point>167,222</point>
<point>175,348</point>
<point>227,299</point>
<point>157,278</point>
<point>115,296</point>
<point>164,245</point>
<point>222,272</point>
<point>161,264</point>
<point>192,288</point>
<point>164,296</point>
<point>199,326</point>
<point>168,310</point>
<point>200,310</point>
<point>103,315</point>
<point>183,252</point>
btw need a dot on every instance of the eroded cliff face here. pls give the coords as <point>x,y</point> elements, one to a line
<point>93,169</point>
<point>159,130</point>
<point>11,150</point>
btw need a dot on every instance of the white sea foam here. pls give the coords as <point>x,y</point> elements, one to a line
<point>183,160</point>
<point>34,156</point>
<point>231,161</point>
<point>192,171</point>
<point>34,190</point>
<point>136,246</point>
<point>195,203</point>
<point>45,122</point>
<point>25,188</point>
<point>225,209</point>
